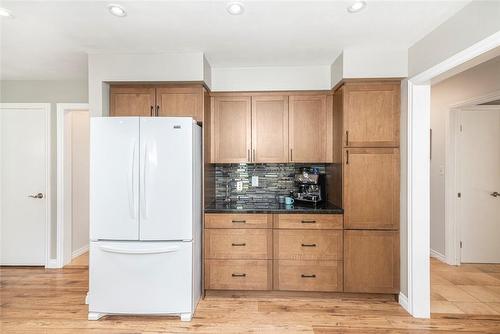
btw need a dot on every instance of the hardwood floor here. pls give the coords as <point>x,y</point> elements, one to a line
<point>467,289</point>
<point>38,300</point>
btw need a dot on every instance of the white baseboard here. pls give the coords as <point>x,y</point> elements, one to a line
<point>52,264</point>
<point>437,255</point>
<point>403,301</point>
<point>80,251</point>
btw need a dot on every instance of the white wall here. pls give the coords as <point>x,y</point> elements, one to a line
<point>80,158</point>
<point>174,67</point>
<point>475,22</point>
<point>475,82</point>
<point>271,78</point>
<point>35,91</point>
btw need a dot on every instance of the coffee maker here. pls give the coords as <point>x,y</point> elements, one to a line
<point>311,186</point>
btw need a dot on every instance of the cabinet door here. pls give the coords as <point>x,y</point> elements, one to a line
<point>371,188</point>
<point>131,101</point>
<point>232,129</point>
<point>371,261</point>
<point>180,101</point>
<point>310,129</point>
<point>270,129</point>
<point>371,115</point>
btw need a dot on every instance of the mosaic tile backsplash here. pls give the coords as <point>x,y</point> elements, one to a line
<point>274,180</point>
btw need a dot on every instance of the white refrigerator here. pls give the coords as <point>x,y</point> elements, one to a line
<point>145,216</point>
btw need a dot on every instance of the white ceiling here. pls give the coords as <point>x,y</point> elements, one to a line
<point>49,40</point>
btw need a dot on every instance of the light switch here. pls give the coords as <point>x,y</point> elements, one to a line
<point>255,181</point>
<point>441,170</point>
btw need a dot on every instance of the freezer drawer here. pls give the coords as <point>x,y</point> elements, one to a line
<point>140,277</point>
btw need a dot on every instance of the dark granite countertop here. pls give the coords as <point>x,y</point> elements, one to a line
<point>273,207</point>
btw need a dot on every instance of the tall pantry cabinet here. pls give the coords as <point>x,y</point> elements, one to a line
<point>369,153</point>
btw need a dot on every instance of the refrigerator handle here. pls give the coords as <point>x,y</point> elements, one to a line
<point>144,203</point>
<point>118,250</point>
<point>131,191</point>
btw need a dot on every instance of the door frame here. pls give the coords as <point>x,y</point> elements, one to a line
<point>417,145</point>
<point>452,172</point>
<point>46,108</point>
<point>64,226</point>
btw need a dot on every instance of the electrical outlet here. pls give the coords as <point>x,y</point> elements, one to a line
<point>239,186</point>
<point>255,181</point>
<point>441,170</point>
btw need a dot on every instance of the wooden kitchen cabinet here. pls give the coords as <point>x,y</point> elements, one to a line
<point>310,129</point>
<point>371,261</point>
<point>270,129</point>
<point>180,101</point>
<point>157,100</point>
<point>231,129</point>
<point>131,100</point>
<point>371,188</point>
<point>371,114</point>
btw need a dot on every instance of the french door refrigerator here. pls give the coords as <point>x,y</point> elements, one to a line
<point>145,216</point>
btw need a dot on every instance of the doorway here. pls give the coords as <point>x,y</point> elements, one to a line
<point>24,184</point>
<point>73,181</point>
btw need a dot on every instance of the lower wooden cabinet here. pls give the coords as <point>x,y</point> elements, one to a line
<point>308,244</point>
<point>292,275</point>
<point>238,244</point>
<point>238,274</point>
<point>371,261</point>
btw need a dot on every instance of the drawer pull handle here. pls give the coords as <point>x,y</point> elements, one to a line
<point>308,245</point>
<point>239,275</point>
<point>308,222</point>
<point>239,221</point>
<point>308,276</point>
<point>238,245</point>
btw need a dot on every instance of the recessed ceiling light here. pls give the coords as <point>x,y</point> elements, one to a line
<point>117,10</point>
<point>356,6</point>
<point>235,8</point>
<point>5,12</point>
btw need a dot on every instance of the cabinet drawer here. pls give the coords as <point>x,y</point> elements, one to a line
<point>309,221</point>
<point>238,244</point>
<point>307,245</point>
<point>229,220</point>
<point>307,275</point>
<point>238,274</point>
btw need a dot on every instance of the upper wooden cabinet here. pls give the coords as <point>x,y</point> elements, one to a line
<point>371,188</point>
<point>231,129</point>
<point>272,128</point>
<point>269,129</point>
<point>131,101</point>
<point>371,114</point>
<point>180,101</point>
<point>310,129</point>
<point>157,100</point>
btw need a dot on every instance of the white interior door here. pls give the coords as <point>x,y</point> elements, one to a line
<point>24,164</point>
<point>166,178</point>
<point>479,179</point>
<point>114,184</point>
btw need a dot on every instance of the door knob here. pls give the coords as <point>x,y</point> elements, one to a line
<point>495,194</point>
<point>39,195</point>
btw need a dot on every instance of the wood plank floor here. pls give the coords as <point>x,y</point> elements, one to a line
<point>37,300</point>
<point>466,289</point>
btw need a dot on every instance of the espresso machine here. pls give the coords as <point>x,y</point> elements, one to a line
<point>311,186</point>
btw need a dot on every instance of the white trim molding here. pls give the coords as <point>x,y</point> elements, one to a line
<point>45,107</point>
<point>403,301</point>
<point>80,251</point>
<point>435,254</point>
<point>64,235</point>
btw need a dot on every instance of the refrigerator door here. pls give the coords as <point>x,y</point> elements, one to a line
<point>140,277</point>
<point>114,178</point>
<point>166,178</point>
